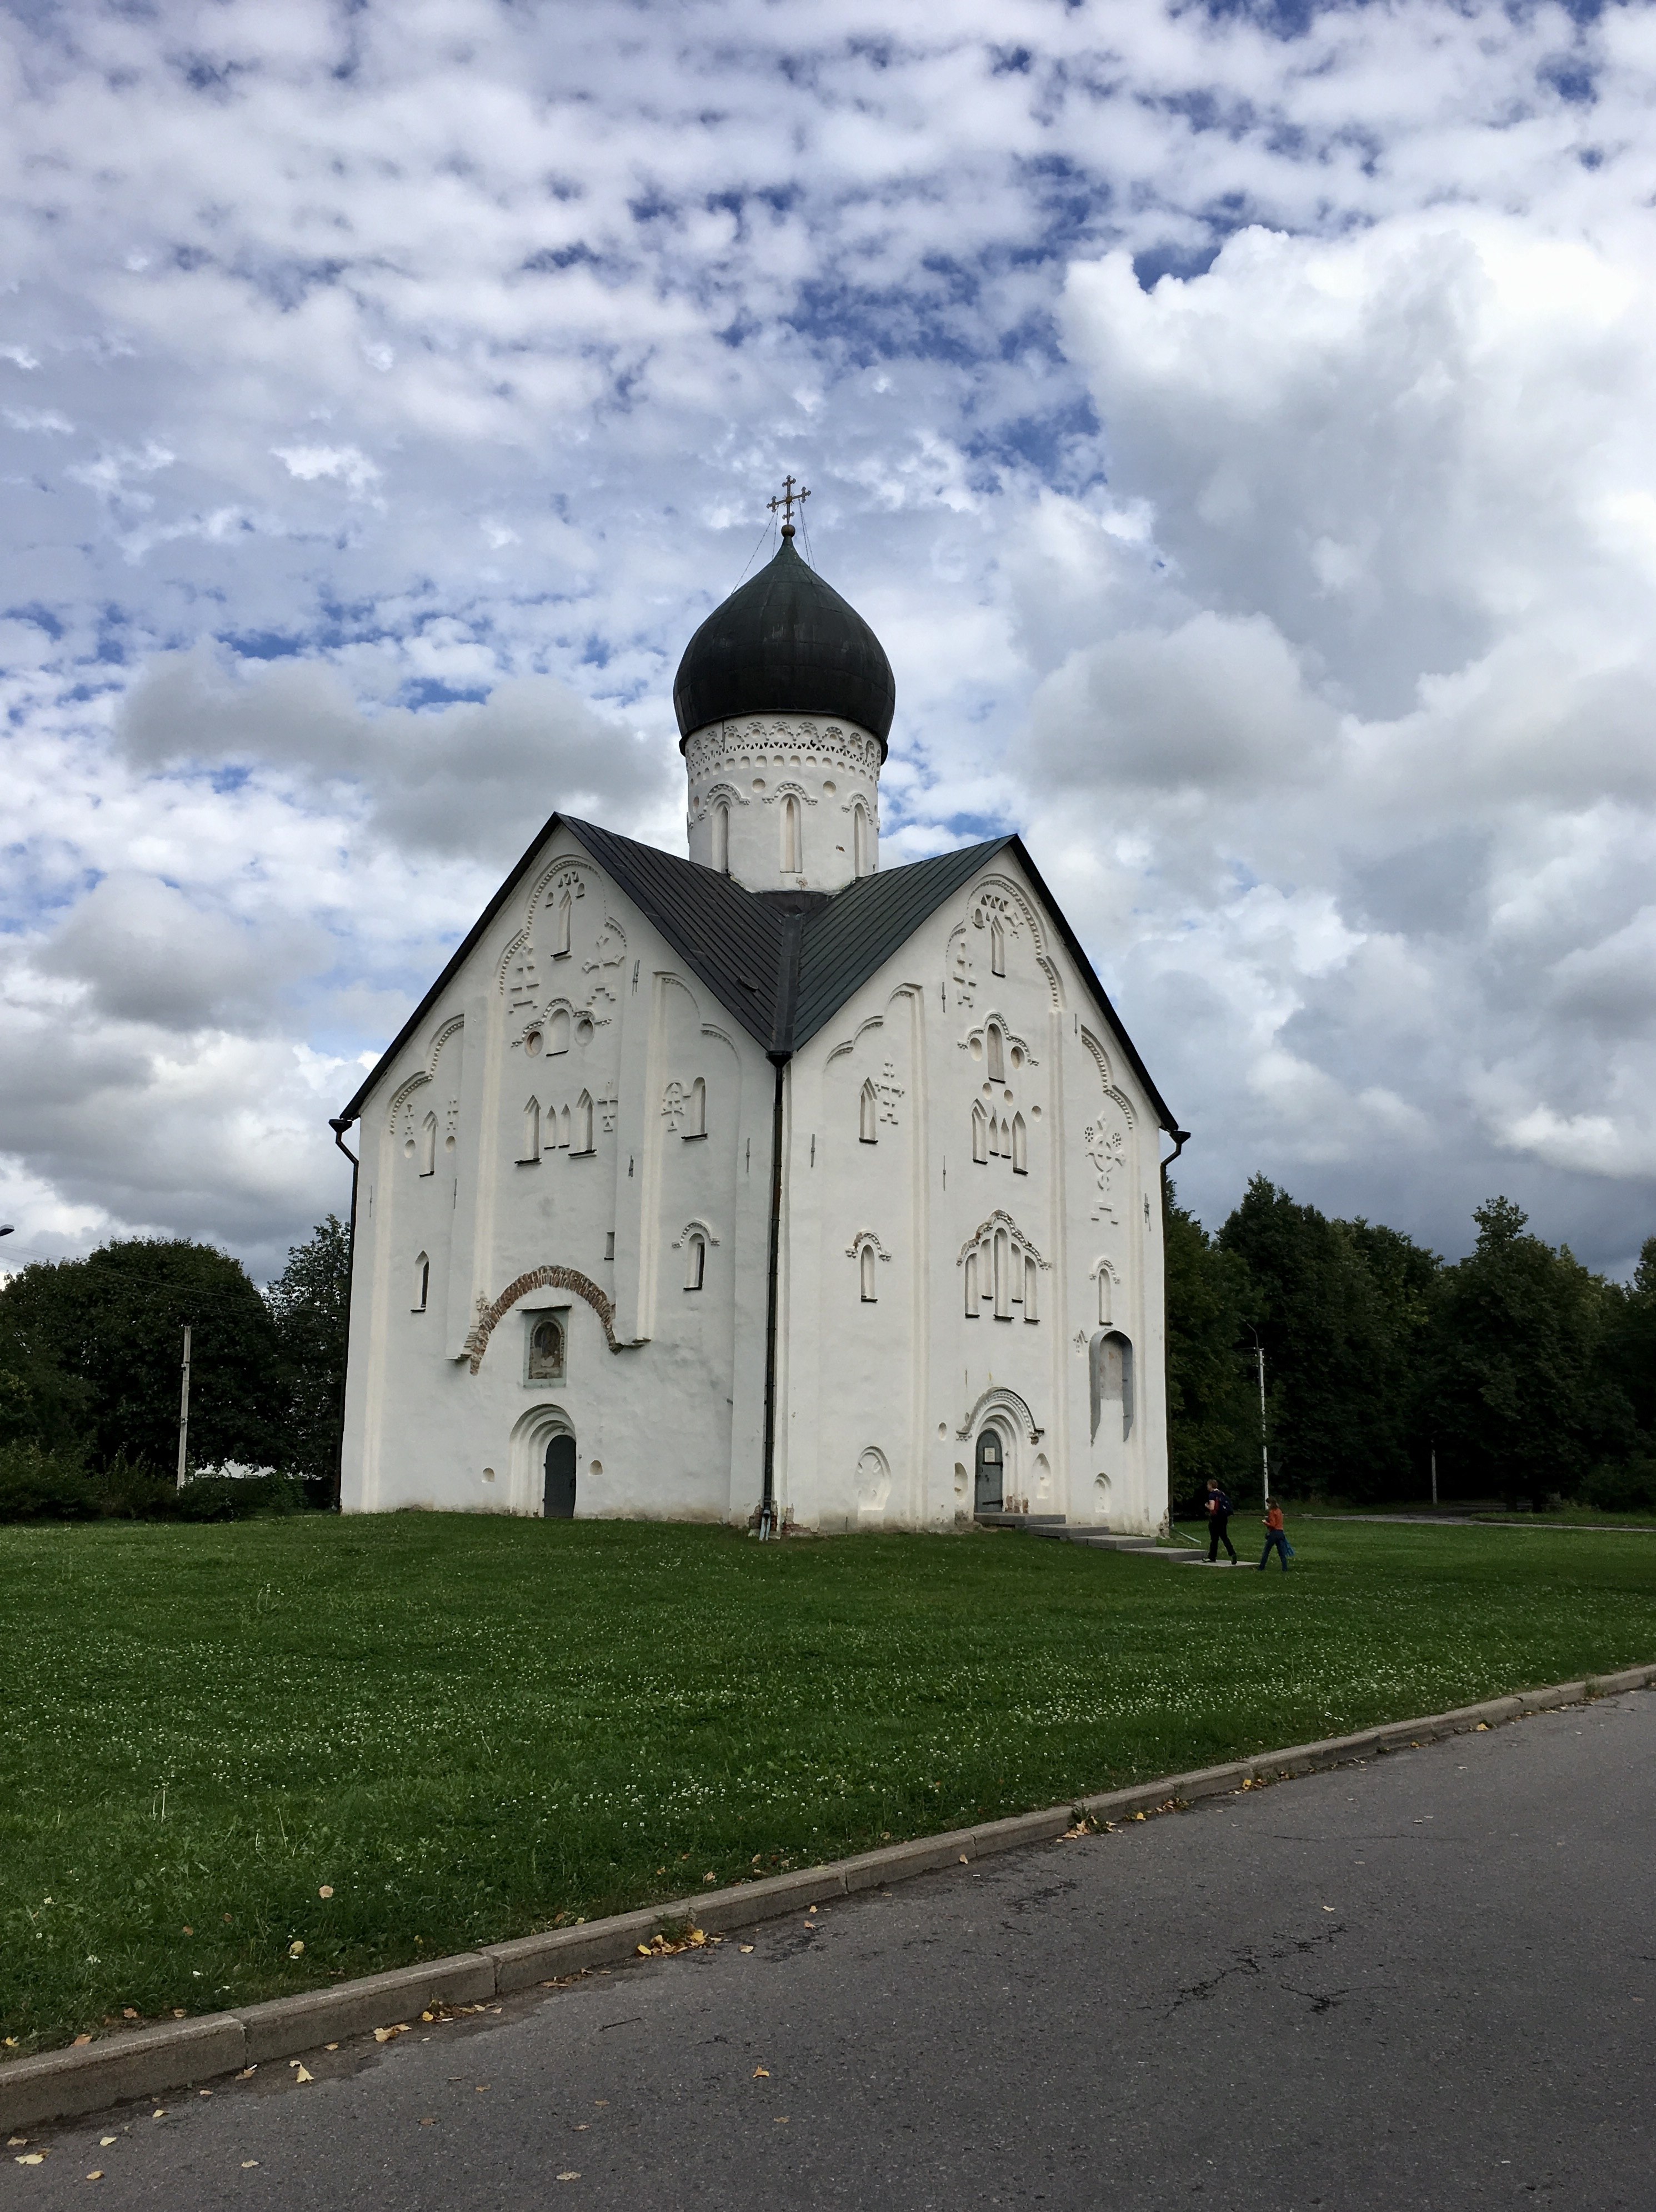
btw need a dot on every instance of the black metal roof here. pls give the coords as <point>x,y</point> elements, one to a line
<point>786,643</point>
<point>782,963</point>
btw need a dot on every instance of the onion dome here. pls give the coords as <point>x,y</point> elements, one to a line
<point>785,642</point>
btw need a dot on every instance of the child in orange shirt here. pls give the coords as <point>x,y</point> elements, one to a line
<point>1275,1539</point>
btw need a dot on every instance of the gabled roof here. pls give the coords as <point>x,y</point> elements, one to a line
<point>783,962</point>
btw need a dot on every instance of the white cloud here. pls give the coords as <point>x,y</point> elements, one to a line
<point>385,398</point>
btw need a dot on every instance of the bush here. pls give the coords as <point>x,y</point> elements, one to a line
<point>1627,1486</point>
<point>239,1497</point>
<point>42,1486</point>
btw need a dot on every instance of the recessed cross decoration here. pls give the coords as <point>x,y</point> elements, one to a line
<point>788,502</point>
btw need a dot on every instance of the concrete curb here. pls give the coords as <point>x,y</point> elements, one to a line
<point>58,2085</point>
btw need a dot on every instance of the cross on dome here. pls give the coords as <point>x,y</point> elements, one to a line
<point>789,500</point>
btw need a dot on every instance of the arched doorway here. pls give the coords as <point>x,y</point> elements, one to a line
<point>990,1490</point>
<point>558,1498</point>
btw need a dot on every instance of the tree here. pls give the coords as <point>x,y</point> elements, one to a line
<point>309,1303</point>
<point>102,1340</point>
<point>1519,1330</point>
<point>1212,1416</point>
<point>1342,1308</point>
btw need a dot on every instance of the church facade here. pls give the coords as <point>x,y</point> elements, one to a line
<point>768,1183</point>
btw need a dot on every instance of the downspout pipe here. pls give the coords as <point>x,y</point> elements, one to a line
<point>780,1052</point>
<point>339,1129</point>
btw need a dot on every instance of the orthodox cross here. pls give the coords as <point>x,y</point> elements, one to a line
<point>789,500</point>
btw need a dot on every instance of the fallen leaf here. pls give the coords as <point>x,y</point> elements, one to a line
<point>295,1950</point>
<point>744,1948</point>
<point>963,1858</point>
<point>644,1950</point>
<point>33,2158</point>
<point>326,1890</point>
<point>80,2041</point>
<point>1328,1908</point>
<point>177,2012</point>
<point>303,2074</point>
<point>96,2174</point>
<point>428,2123</point>
<point>15,2142</point>
<point>782,2120</point>
<point>385,2034</point>
<point>189,1931</point>
<point>569,2177</point>
<point>246,2162</point>
<point>247,2073</point>
<point>710,1877</point>
<point>1483,1727</point>
<point>483,2088</point>
<point>104,2141</point>
<point>160,2112</point>
<point>762,2073</point>
<point>331,2046</point>
<point>129,2012</point>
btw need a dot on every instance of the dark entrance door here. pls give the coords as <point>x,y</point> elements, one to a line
<point>988,1494</point>
<point>559,1504</point>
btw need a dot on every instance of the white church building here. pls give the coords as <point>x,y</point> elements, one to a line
<point>768,1184</point>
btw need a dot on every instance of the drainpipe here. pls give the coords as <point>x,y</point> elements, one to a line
<point>1183,1139</point>
<point>767,1502</point>
<point>339,1129</point>
<point>779,1055</point>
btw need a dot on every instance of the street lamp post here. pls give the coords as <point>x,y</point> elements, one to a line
<point>1264,1443</point>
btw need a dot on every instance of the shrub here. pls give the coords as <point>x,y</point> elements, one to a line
<point>42,1486</point>
<point>1627,1486</point>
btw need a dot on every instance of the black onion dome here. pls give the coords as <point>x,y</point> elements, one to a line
<point>785,643</point>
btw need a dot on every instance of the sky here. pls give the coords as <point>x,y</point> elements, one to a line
<point>1237,422</point>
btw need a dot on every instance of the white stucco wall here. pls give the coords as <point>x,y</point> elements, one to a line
<point>571,998</point>
<point>744,775</point>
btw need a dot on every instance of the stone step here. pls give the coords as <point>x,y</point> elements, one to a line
<point>1102,1539</point>
<point>1035,1524</point>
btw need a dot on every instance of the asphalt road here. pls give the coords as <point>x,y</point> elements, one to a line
<point>1428,1981</point>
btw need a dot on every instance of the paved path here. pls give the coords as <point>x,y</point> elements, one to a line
<point>1429,1981</point>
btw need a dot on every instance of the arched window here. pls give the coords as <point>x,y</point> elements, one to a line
<point>979,1134</point>
<point>560,945</point>
<point>532,1150</point>
<point>1003,1276</point>
<point>862,842</point>
<point>560,1129</point>
<point>421,1283</point>
<point>1019,1146</point>
<point>695,1262</point>
<point>695,1109</point>
<point>1103,1296</point>
<point>581,1130</point>
<point>791,863</point>
<point>973,1302</point>
<point>869,1292</point>
<point>997,948</point>
<point>1031,1282</point>
<point>997,1054</point>
<point>722,836</point>
<point>867,1107</point>
<point>546,1349</point>
<point>428,1145</point>
<point>557,1030</point>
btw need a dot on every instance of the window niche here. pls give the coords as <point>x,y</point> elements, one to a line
<point>421,1283</point>
<point>866,1267</point>
<point>580,1126</point>
<point>546,1346</point>
<point>722,836</point>
<point>868,1108</point>
<point>428,1145</point>
<point>791,861</point>
<point>529,1156</point>
<point>695,1108</point>
<point>695,1261</point>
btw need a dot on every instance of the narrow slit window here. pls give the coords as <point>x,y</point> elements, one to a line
<point>531,1146</point>
<point>1103,1297</point>
<point>565,909</point>
<point>861,842</point>
<point>1003,1276</point>
<point>973,1302</point>
<point>980,1135</point>
<point>428,1145</point>
<point>695,1109</point>
<point>421,1283</point>
<point>998,948</point>
<point>722,836</point>
<point>696,1263</point>
<point>995,1047</point>
<point>580,1134</point>
<point>561,1130</point>
<point>867,1265</point>
<point>867,1111</point>
<point>791,861</point>
<point>1019,1146</point>
<point>1031,1288</point>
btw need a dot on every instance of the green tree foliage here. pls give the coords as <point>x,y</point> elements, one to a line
<point>309,1302</point>
<point>1212,1415</point>
<point>1342,1307</point>
<point>92,1349</point>
<point>1522,1399</point>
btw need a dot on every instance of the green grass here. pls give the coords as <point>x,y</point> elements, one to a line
<point>468,1728</point>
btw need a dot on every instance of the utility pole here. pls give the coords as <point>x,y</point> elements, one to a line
<point>1435,1470</point>
<point>184,1409</point>
<point>1264,1442</point>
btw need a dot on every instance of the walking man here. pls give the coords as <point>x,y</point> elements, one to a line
<point>1218,1509</point>
<point>1276,1539</point>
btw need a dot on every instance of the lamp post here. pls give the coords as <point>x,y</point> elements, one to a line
<point>184,1409</point>
<point>1265,1445</point>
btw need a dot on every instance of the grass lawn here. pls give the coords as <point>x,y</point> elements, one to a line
<point>468,1728</point>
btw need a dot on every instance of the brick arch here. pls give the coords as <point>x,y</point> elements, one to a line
<point>490,1314</point>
